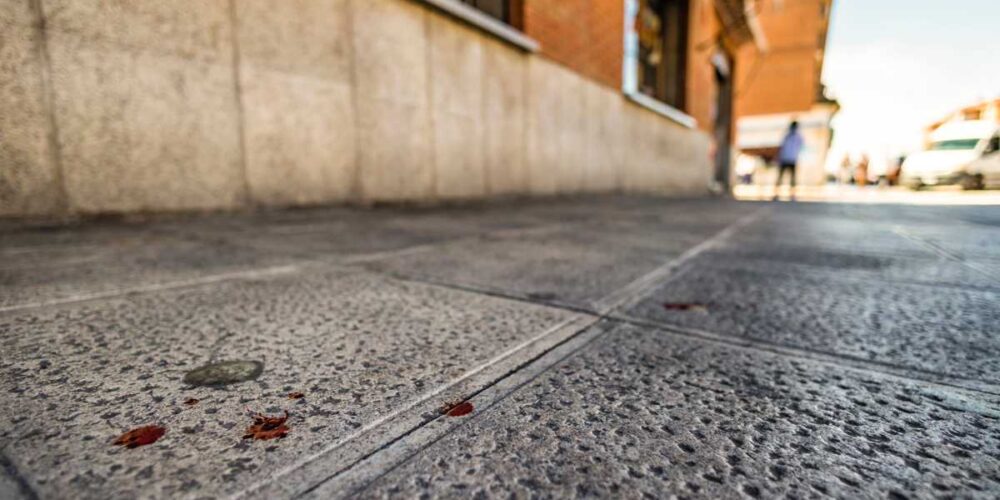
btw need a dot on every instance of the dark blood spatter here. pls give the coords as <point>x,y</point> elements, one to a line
<point>461,410</point>
<point>191,401</point>
<point>296,395</point>
<point>685,306</point>
<point>265,427</point>
<point>141,436</point>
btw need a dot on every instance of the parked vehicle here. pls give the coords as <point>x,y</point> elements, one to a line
<point>954,148</point>
<point>986,169</point>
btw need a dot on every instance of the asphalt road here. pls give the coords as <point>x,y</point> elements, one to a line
<point>592,346</point>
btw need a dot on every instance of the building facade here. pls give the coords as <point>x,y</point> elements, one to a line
<point>988,110</point>
<point>121,106</point>
<point>783,84</point>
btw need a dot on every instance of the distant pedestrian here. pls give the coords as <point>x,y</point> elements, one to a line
<point>788,156</point>
<point>861,172</point>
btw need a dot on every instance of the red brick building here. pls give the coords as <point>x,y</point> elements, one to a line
<point>783,83</point>
<point>589,37</point>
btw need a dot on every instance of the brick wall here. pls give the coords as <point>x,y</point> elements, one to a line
<point>786,79</point>
<point>584,35</point>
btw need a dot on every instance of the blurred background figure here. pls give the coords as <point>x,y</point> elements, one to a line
<point>861,171</point>
<point>846,173</point>
<point>788,157</point>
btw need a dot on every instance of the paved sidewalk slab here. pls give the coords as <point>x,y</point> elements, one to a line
<point>358,346</point>
<point>44,273</point>
<point>787,230</point>
<point>575,266</point>
<point>839,265</point>
<point>643,413</point>
<point>831,350</point>
<point>336,234</point>
<point>938,329</point>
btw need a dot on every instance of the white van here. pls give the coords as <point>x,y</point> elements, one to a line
<point>955,149</point>
<point>986,169</point>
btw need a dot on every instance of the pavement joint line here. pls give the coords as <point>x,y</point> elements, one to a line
<point>629,292</point>
<point>944,253</point>
<point>840,360</point>
<point>69,262</point>
<point>427,396</point>
<point>340,261</point>
<point>23,249</point>
<point>370,257</point>
<point>158,287</point>
<point>751,343</point>
<point>425,436</point>
<point>861,252</point>
<point>826,273</point>
<point>493,292</point>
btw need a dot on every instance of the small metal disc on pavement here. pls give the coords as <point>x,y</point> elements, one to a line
<point>224,373</point>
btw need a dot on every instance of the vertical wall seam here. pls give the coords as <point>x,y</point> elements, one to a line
<point>248,198</point>
<point>483,92</point>
<point>48,90</point>
<point>525,125</point>
<point>429,75</point>
<point>356,188</point>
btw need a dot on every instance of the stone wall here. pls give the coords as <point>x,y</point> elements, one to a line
<point>121,106</point>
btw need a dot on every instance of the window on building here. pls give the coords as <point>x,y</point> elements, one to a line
<point>972,114</point>
<point>506,11</point>
<point>661,27</point>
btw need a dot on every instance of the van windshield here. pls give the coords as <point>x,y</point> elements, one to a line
<point>955,144</point>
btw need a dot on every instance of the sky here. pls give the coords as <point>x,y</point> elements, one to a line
<point>898,65</point>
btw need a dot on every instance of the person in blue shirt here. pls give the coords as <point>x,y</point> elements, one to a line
<point>788,156</point>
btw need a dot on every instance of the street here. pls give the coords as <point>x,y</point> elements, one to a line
<point>604,346</point>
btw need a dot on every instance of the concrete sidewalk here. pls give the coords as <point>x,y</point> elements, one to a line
<point>608,346</point>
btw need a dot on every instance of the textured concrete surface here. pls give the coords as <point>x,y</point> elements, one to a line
<point>29,179</point>
<point>113,263</point>
<point>359,347</point>
<point>504,108</point>
<point>574,266</point>
<point>641,414</point>
<point>145,105</point>
<point>825,350</point>
<point>122,107</point>
<point>297,96</point>
<point>917,326</point>
<point>455,57</point>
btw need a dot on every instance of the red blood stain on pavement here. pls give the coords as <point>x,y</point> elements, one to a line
<point>265,427</point>
<point>296,395</point>
<point>191,401</point>
<point>140,436</point>
<point>461,410</point>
